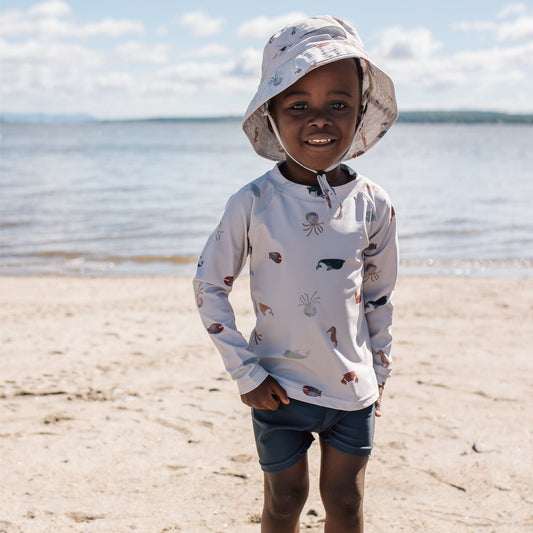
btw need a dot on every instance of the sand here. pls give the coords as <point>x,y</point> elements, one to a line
<point>117,414</point>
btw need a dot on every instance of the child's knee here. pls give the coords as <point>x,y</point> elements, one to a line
<point>286,501</point>
<point>343,501</point>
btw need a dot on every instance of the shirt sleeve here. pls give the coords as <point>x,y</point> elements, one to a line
<point>379,280</point>
<point>221,261</point>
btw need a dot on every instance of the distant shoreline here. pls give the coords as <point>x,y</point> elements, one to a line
<point>427,117</point>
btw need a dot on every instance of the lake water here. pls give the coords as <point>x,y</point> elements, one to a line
<point>142,197</point>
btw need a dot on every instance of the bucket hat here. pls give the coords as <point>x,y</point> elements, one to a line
<point>296,50</point>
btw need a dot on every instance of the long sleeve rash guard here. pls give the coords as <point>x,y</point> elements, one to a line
<point>321,289</point>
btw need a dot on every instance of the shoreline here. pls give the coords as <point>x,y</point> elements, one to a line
<point>118,415</point>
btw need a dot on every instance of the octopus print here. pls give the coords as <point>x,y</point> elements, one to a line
<point>308,303</point>
<point>349,376</point>
<point>371,273</point>
<point>308,390</point>
<point>313,225</point>
<point>333,335</point>
<point>215,328</point>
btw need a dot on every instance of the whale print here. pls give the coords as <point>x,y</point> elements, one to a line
<point>377,303</point>
<point>330,264</point>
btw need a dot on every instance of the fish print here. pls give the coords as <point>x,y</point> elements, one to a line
<point>308,390</point>
<point>265,309</point>
<point>215,328</point>
<point>275,256</point>
<point>330,264</point>
<point>294,354</point>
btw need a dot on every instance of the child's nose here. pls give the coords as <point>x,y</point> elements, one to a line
<point>319,118</point>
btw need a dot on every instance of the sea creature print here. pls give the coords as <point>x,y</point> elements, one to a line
<point>383,358</point>
<point>370,215</point>
<point>275,256</point>
<point>313,225</point>
<point>358,297</point>
<point>308,390</point>
<point>392,212</point>
<point>374,304</point>
<point>295,354</point>
<point>218,233</point>
<point>369,187</point>
<point>308,303</point>
<point>215,328</point>
<point>199,293</point>
<point>349,376</point>
<point>315,191</point>
<point>256,134</point>
<point>255,189</point>
<point>200,262</point>
<point>333,335</point>
<point>276,79</point>
<point>255,337</point>
<point>371,273</point>
<point>330,264</point>
<point>251,361</point>
<point>265,309</point>
<point>228,280</point>
<point>372,246</point>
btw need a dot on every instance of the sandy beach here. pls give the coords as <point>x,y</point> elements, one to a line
<point>117,414</point>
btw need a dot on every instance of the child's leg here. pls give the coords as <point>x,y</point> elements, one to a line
<point>342,479</point>
<point>285,496</point>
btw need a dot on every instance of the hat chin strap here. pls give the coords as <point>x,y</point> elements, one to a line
<point>327,191</point>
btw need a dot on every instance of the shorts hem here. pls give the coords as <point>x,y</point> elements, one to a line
<point>291,461</point>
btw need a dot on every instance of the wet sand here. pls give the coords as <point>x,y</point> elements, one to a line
<point>117,414</point>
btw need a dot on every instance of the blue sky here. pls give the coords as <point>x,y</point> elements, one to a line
<point>139,58</point>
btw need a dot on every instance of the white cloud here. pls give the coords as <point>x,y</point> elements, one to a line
<point>202,24</point>
<point>520,29</point>
<point>210,50</point>
<point>512,9</point>
<point>400,44</point>
<point>49,20</point>
<point>135,52</point>
<point>264,27</point>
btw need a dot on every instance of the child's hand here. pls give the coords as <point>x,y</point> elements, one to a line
<point>267,396</point>
<point>378,401</point>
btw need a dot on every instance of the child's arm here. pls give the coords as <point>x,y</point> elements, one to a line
<point>380,274</point>
<point>221,262</point>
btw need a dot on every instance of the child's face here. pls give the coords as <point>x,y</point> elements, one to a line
<point>317,117</point>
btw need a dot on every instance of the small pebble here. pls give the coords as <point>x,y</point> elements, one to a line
<point>504,488</point>
<point>481,447</point>
<point>312,512</point>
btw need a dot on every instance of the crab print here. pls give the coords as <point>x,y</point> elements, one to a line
<point>383,358</point>
<point>215,328</point>
<point>349,376</point>
<point>333,335</point>
<point>265,309</point>
<point>275,256</point>
<point>371,273</point>
<point>313,225</point>
<point>199,295</point>
<point>308,390</point>
<point>308,303</point>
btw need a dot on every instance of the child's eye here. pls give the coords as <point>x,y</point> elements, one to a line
<point>299,107</point>
<point>338,106</point>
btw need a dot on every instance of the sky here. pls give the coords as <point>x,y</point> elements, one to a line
<point>141,59</point>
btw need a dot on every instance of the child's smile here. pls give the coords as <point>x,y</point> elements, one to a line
<point>317,118</point>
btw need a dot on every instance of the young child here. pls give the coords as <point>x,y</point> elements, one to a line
<point>321,241</point>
